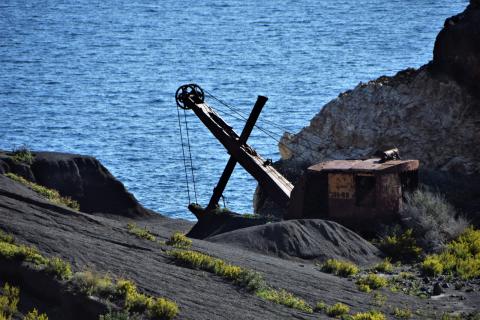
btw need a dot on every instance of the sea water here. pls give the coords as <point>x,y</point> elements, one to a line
<point>99,77</point>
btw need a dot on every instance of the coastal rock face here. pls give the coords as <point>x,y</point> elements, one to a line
<point>82,178</point>
<point>457,48</point>
<point>431,114</point>
<point>434,120</point>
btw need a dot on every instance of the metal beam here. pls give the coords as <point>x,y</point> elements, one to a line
<point>227,172</point>
<point>270,179</point>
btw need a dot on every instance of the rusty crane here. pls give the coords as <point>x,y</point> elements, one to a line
<point>349,191</point>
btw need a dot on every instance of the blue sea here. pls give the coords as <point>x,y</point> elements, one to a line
<point>99,77</point>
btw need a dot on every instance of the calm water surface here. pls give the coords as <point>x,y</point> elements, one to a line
<point>99,77</point>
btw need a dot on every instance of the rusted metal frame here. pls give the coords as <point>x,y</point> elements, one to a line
<point>227,172</point>
<point>270,179</point>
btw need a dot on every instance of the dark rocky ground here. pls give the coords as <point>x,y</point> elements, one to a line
<point>285,253</point>
<point>100,241</point>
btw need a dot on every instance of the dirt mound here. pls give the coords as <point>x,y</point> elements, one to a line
<point>310,239</point>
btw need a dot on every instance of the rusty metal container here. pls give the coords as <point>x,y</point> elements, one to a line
<point>355,193</point>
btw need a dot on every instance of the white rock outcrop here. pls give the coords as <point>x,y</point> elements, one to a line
<point>430,118</point>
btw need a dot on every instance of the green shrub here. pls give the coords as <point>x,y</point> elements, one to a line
<point>372,281</point>
<point>50,194</point>
<point>432,266</point>
<point>23,155</point>
<point>33,315</point>
<point>285,298</point>
<point>179,240</point>
<point>370,315</point>
<point>9,301</point>
<point>21,252</point>
<point>58,267</point>
<point>250,280</point>
<point>460,257</point>
<point>8,238</point>
<point>340,268</point>
<point>157,308</point>
<point>402,313</point>
<point>451,316</point>
<point>243,277</point>
<point>133,299</point>
<point>434,221</point>
<point>88,283</point>
<point>379,299</point>
<point>364,288</point>
<point>94,284</point>
<point>143,233</point>
<point>406,275</point>
<point>320,306</point>
<point>401,247</point>
<point>337,310</point>
<point>162,308</point>
<point>120,315</point>
<point>384,266</point>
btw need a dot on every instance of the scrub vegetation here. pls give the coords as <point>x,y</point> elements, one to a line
<point>179,240</point>
<point>50,194</point>
<point>340,268</point>
<point>461,257</point>
<point>401,247</point>
<point>432,219</point>
<point>250,280</point>
<point>142,233</point>
<point>122,291</point>
<point>337,310</point>
<point>384,266</point>
<point>285,298</point>
<point>9,299</point>
<point>342,311</point>
<point>402,313</point>
<point>371,282</point>
<point>370,315</point>
<point>23,155</point>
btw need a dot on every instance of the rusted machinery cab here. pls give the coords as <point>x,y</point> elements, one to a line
<point>355,193</point>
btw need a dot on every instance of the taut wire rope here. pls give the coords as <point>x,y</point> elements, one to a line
<point>183,153</point>
<point>190,155</point>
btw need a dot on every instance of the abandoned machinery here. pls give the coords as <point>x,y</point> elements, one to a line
<point>352,192</point>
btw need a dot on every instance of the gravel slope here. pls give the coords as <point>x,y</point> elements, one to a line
<point>102,243</point>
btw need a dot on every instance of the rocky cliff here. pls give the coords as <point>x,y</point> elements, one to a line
<point>83,178</point>
<point>431,114</point>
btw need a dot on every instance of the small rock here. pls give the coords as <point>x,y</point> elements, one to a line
<point>437,289</point>
<point>446,285</point>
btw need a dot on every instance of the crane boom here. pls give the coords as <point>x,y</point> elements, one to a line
<point>276,185</point>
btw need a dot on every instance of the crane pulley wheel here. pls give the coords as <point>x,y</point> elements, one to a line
<point>189,90</point>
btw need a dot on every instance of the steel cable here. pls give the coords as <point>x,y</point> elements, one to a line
<point>268,132</point>
<point>183,152</point>
<point>190,155</point>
